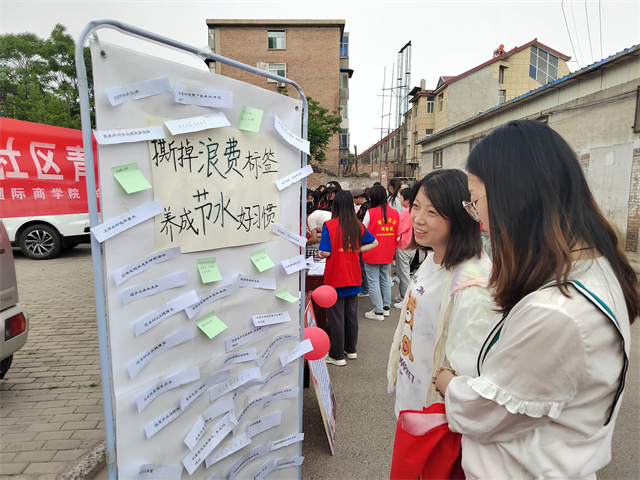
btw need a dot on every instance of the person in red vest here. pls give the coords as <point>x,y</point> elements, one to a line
<point>343,238</point>
<point>383,222</point>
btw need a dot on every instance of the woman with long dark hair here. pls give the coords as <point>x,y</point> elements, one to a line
<point>552,370</point>
<point>343,238</point>
<point>393,188</point>
<point>383,222</point>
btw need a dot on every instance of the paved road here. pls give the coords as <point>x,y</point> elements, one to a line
<point>51,401</point>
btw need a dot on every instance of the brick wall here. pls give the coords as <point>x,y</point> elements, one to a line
<point>312,58</point>
<point>633,222</point>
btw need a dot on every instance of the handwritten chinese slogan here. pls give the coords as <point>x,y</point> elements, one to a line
<point>217,188</point>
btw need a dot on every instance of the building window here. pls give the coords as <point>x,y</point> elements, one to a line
<point>212,39</point>
<point>429,131</point>
<point>277,40</point>
<point>344,80</point>
<point>502,96</point>
<point>430,103</point>
<point>501,74</point>
<point>543,66</point>
<point>437,159</point>
<point>441,101</point>
<point>277,69</point>
<point>344,109</point>
<point>344,47</point>
<point>344,138</point>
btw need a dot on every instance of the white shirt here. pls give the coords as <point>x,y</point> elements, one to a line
<point>546,386</point>
<point>316,220</point>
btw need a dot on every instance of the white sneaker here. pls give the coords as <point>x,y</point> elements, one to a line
<point>351,356</point>
<point>395,280</point>
<point>398,305</point>
<point>374,316</point>
<point>397,298</point>
<point>363,294</point>
<point>333,361</point>
<point>386,312</point>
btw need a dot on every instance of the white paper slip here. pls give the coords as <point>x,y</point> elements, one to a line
<point>211,296</point>
<point>160,472</point>
<point>129,135</point>
<point>136,91</point>
<point>243,377</point>
<point>280,372</point>
<point>245,281</point>
<point>256,402</point>
<point>203,97</point>
<point>243,461</point>
<point>270,318</point>
<point>197,124</point>
<point>227,448</point>
<point>154,318</point>
<point>219,408</point>
<point>289,462</point>
<point>161,421</point>
<point>245,337</point>
<point>241,357</point>
<point>161,284</point>
<point>125,221</point>
<point>294,177</point>
<point>125,273</point>
<point>174,381</point>
<point>303,347</point>
<point>289,235</point>
<point>176,338</point>
<point>264,423</point>
<point>265,469</point>
<point>282,394</point>
<point>291,138</point>
<point>275,343</point>
<point>192,394</point>
<point>286,441</point>
<point>206,445</point>
<point>295,264</point>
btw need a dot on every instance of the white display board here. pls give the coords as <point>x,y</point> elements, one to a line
<point>181,264</point>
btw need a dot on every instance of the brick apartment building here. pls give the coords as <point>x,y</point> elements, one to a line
<point>312,53</point>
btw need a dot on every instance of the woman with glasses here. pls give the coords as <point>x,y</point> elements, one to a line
<point>552,369</point>
<point>446,309</point>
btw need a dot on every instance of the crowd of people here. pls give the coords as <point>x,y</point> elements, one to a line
<point>526,347</point>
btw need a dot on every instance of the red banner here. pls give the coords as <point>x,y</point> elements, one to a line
<point>42,170</point>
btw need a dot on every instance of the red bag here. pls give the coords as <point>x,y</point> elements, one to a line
<point>424,447</point>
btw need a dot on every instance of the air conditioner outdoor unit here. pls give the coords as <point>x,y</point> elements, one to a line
<point>281,84</point>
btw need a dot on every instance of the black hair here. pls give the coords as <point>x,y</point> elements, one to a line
<point>378,197</point>
<point>540,208</point>
<point>446,190</point>
<point>350,227</point>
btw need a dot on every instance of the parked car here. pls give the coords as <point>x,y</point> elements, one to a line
<point>14,317</point>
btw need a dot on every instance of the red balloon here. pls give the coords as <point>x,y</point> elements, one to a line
<point>325,296</point>
<point>319,340</point>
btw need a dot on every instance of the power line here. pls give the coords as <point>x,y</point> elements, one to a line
<point>600,18</point>
<point>569,33</point>
<point>575,27</point>
<point>586,14</point>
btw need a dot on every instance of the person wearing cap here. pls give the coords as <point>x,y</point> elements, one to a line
<point>328,195</point>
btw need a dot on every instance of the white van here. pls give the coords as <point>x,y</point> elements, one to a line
<point>43,193</point>
<point>15,321</point>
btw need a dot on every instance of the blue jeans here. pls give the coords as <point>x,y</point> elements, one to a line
<point>365,284</point>
<point>379,285</point>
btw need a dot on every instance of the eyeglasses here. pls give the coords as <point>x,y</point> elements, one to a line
<point>471,209</point>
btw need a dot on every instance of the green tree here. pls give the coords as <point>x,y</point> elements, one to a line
<point>38,78</point>
<point>322,126</point>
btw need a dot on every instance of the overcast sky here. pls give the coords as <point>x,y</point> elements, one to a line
<point>448,37</point>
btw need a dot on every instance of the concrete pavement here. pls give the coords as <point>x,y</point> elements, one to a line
<point>51,401</point>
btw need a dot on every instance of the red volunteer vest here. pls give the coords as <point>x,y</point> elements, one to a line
<point>342,268</point>
<point>385,233</point>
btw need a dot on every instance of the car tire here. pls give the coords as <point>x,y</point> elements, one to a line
<point>4,366</point>
<point>40,242</point>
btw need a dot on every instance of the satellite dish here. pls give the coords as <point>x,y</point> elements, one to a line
<point>374,174</point>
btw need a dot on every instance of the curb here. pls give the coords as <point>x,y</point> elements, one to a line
<point>89,465</point>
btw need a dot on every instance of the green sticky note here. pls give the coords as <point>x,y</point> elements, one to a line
<point>285,295</point>
<point>261,260</point>
<point>130,177</point>
<point>208,269</point>
<point>249,119</point>
<point>211,325</point>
